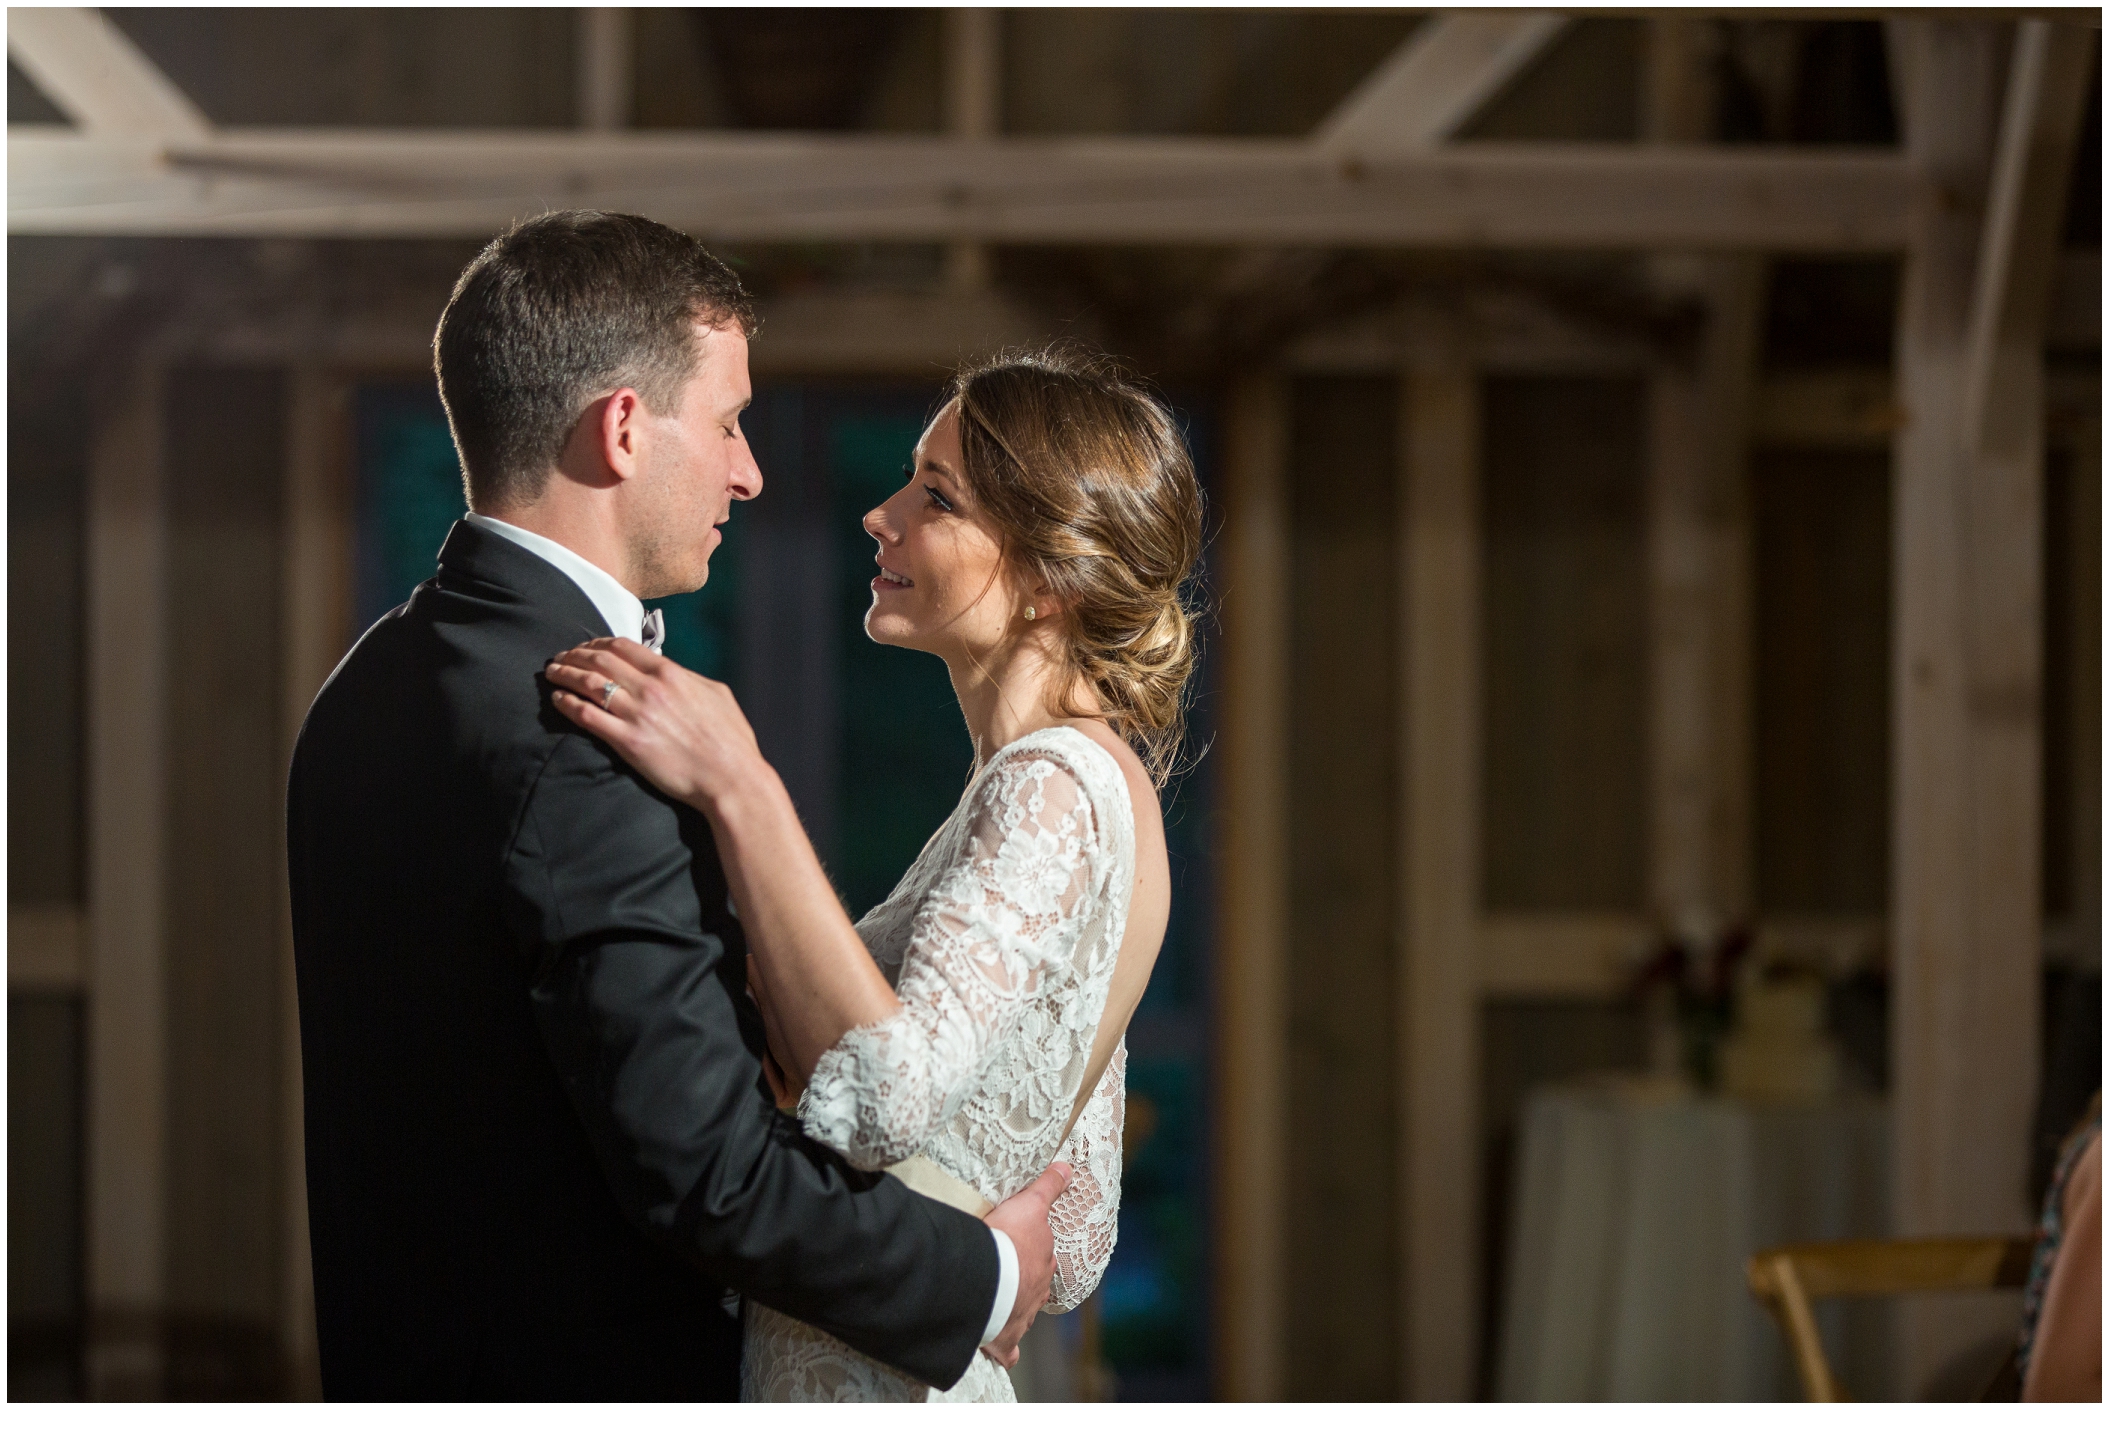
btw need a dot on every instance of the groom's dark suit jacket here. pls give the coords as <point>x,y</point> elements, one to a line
<point>538,1147</point>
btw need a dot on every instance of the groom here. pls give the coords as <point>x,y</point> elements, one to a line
<point>541,1157</point>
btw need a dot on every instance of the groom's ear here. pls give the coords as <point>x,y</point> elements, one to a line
<point>622,433</point>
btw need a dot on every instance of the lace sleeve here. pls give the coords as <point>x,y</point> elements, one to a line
<point>1086,1217</point>
<point>976,952</point>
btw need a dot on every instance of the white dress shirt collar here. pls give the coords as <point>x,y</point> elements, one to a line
<point>623,612</point>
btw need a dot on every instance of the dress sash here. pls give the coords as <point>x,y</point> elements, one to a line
<point>933,1182</point>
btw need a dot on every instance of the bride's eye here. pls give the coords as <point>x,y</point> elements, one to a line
<point>907,470</point>
<point>938,497</point>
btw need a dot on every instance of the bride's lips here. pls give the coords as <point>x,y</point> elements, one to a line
<point>890,581</point>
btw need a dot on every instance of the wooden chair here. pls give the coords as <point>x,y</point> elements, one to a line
<point>1786,1280</point>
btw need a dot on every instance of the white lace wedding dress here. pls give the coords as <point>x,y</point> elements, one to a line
<point>1001,941</point>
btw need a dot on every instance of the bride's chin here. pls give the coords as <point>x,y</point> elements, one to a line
<point>887,630</point>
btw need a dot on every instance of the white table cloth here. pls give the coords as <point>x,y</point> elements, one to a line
<point>1632,1218</point>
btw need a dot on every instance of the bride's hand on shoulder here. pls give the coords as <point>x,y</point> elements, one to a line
<point>684,732</point>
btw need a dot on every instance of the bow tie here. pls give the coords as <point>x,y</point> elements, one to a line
<point>654,635</point>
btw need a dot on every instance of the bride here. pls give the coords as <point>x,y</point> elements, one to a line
<point>967,1031</point>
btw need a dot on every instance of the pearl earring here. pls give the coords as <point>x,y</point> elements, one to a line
<point>1030,613</point>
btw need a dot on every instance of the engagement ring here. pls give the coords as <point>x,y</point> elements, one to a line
<point>607,693</point>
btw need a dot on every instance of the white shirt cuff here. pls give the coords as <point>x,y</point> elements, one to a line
<point>1006,1285</point>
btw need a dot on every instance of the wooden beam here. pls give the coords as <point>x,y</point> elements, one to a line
<point>90,70</point>
<point>2017,264</point>
<point>1486,327</point>
<point>47,949</point>
<point>1541,955</point>
<point>317,632</point>
<point>1435,82</point>
<point>928,188</point>
<point>607,66</point>
<point>1536,956</point>
<point>1851,409</point>
<point>1439,890</point>
<point>126,718</point>
<point>924,334</point>
<point>1965,850</point>
<point>1252,888</point>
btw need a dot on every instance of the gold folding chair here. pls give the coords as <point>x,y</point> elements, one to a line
<point>1787,1280</point>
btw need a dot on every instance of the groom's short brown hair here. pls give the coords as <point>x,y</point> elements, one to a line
<point>556,311</point>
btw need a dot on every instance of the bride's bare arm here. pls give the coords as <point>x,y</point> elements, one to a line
<point>785,1080</point>
<point>687,735</point>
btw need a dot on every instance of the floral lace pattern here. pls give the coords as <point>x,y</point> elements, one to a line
<point>1001,942</point>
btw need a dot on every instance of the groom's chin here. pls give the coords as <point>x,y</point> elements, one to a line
<point>681,583</point>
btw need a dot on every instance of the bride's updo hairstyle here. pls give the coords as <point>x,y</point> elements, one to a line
<point>1092,492</point>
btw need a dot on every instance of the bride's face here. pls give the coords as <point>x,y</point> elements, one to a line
<point>940,586</point>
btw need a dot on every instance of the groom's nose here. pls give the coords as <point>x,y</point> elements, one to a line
<point>745,482</point>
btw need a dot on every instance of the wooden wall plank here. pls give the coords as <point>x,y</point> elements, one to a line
<point>1563,604</point>
<point>223,460</point>
<point>1821,679</point>
<point>127,784</point>
<point>1252,893</point>
<point>47,460</point>
<point>1439,971</point>
<point>1344,1046</point>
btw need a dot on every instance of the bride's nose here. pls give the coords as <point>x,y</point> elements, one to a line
<point>877,527</point>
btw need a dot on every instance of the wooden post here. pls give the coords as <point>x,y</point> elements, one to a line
<point>1252,885</point>
<point>1699,568</point>
<point>126,720</point>
<point>1439,889</point>
<point>973,111</point>
<point>317,629</point>
<point>1965,896</point>
<point>606,68</point>
<point>1699,609</point>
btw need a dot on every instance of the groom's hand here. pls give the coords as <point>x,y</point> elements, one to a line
<point>1023,1219</point>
